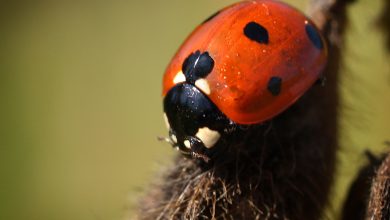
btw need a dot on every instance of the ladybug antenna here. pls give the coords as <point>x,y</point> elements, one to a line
<point>165,139</point>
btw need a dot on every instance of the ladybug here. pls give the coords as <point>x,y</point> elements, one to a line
<point>242,66</point>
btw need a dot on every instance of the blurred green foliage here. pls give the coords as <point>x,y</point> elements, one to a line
<point>80,85</point>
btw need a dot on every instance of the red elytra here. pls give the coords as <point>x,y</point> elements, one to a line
<point>243,67</point>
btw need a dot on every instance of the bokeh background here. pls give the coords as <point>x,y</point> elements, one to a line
<point>80,85</point>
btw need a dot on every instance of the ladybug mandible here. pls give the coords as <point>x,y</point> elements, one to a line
<point>242,66</point>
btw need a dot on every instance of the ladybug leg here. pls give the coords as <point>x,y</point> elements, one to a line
<point>198,150</point>
<point>203,157</point>
<point>321,81</point>
<point>164,139</point>
<point>172,139</point>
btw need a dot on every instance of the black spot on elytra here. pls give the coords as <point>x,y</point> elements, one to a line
<point>314,36</point>
<point>256,32</point>
<point>197,65</point>
<point>274,85</point>
<point>211,17</point>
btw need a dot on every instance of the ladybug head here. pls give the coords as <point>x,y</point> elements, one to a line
<point>195,124</point>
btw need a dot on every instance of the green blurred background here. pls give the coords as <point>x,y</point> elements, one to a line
<point>80,85</point>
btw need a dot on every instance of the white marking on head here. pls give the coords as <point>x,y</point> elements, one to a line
<point>180,77</point>
<point>208,137</point>
<point>187,144</point>
<point>166,121</point>
<point>174,139</point>
<point>203,85</point>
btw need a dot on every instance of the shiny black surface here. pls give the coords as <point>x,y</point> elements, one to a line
<point>274,85</point>
<point>256,32</point>
<point>314,36</point>
<point>197,65</point>
<point>188,109</point>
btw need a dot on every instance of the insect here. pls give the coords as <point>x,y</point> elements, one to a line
<point>242,66</point>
